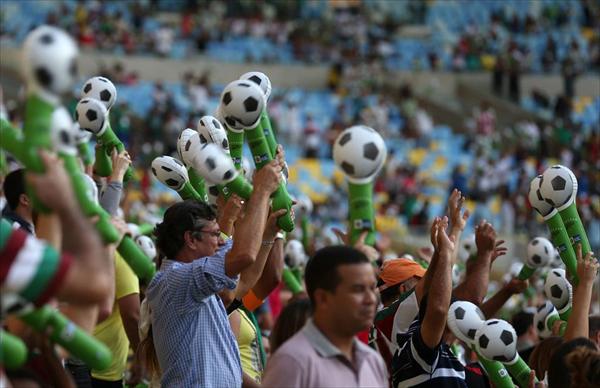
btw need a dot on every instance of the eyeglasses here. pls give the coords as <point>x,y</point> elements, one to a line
<point>216,234</point>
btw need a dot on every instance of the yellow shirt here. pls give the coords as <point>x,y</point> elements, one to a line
<point>111,331</point>
<point>249,350</point>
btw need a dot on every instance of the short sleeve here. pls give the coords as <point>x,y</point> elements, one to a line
<point>126,283</point>
<point>426,357</point>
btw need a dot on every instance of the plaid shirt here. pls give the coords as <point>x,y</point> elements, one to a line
<point>191,332</point>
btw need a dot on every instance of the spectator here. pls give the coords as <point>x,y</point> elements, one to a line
<point>19,208</point>
<point>526,333</point>
<point>291,320</point>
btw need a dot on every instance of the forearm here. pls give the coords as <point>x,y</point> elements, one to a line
<point>578,325</point>
<point>251,274</point>
<point>438,301</point>
<point>433,264</point>
<point>130,324</point>
<point>455,233</point>
<point>272,273</point>
<point>48,228</point>
<point>491,306</point>
<point>249,382</point>
<point>475,286</point>
<point>111,197</point>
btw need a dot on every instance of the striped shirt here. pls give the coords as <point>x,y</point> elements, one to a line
<point>29,267</point>
<point>192,337</point>
<point>416,365</point>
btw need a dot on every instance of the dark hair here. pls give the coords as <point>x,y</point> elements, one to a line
<point>594,325</point>
<point>179,218</point>
<point>13,187</point>
<point>584,366</point>
<point>539,360</point>
<point>321,270</point>
<point>289,322</point>
<point>558,373</point>
<point>522,321</point>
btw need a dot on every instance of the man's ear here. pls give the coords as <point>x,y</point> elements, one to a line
<point>189,240</point>
<point>322,298</point>
<point>24,200</point>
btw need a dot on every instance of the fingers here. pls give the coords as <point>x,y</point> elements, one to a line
<point>341,235</point>
<point>466,214</point>
<point>279,213</point>
<point>362,237</point>
<point>578,250</point>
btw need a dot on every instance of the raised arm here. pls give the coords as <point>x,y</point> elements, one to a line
<point>438,299</point>
<point>587,270</point>
<point>491,306</point>
<point>458,219</point>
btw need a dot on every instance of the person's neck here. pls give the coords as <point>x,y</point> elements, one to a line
<point>186,256</point>
<point>343,342</point>
<point>25,214</point>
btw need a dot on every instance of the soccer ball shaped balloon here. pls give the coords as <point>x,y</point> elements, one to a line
<point>214,164</point>
<point>496,340</point>
<point>211,131</point>
<point>467,248</point>
<point>170,171</point>
<point>147,245</point>
<point>102,89</point>
<point>91,188</point>
<point>360,152</point>
<point>83,137</point>
<point>50,59</point>
<point>536,199</point>
<point>134,229</point>
<point>242,103</point>
<point>464,318</point>
<point>213,194</point>
<point>91,115</point>
<point>557,288</point>
<point>188,145</point>
<point>261,80</point>
<point>558,186</point>
<point>543,312</point>
<point>63,132</point>
<point>294,254</point>
<point>539,252</point>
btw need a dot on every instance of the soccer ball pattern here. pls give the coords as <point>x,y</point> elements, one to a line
<point>63,132</point>
<point>496,340</point>
<point>558,290</point>
<point>536,199</point>
<point>170,171</point>
<point>147,246</point>
<point>242,103</point>
<point>467,248</point>
<point>188,145</point>
<point>539,252</point>
<point>360,152</point>
<point>261,80</point>
<point>543,312</point>
<point>294,254</point>
<point>558,186</point>
<point>50,59</point>
<point>102,89</point>
<point>464,318</point>
<point>214,165</point>
<point>211,131</point>
<point>91,115</point>
<point>83,137</point>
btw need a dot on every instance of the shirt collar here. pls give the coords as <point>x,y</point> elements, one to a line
<point>322,345</point>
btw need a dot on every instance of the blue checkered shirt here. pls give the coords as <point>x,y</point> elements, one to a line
<point>191,332</point>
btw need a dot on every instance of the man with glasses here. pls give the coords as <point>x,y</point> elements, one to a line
<point>191,333</point>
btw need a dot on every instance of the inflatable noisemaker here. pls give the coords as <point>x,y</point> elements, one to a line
<point>188,143</point>
<point>291,281</point>
<point>146,244</point>
<point>241,103</point>
<point>539,255</point>
<point>360,152</point>
<point>559,291</point>
<point>12,142</point>
<point>558,186</point>
<point>544,319</point>
<point>217,168</point>
<point>305,206</point>
<point>3,164</point>
<point>68,335</point>
<point>83,138</point>
<point>558,232</point>
<point>235,137</point>
<point>46,81</point>
<point>264,83</point>
<point>13,352</point>
<point>496,340</point>
<point>173,174</point>
<point>464,319</point>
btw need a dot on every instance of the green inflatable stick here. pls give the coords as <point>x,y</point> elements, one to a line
<point>146,229</point>
<point>361,211</point>
<point>574,226</point>
<point>236,146</point>
<point>187,192</point>
<point>85,154</point>
<point>290,281</point>
<point>304,223</point>
<point>496,372</point>
<point>552,318</point>
<point>198,183</point>
<point>520,371</point>
<point>526,272</point>
<point>103,162</point>
<point>265,123</point>
<point>239,186</point>
<point>12,142</point>
<point>297,271</point>
<point>262,155</point>
<point>68,335</point>
<point>3,164</point>
<point>110,141</point>
<point>13,352</point>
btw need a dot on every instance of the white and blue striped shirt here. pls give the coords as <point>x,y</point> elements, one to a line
<point>191,332</point>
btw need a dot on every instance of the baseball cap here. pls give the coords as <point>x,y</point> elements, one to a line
<point>396,271</point>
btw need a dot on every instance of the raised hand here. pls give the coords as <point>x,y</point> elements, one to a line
<point>53,186</point>
<point>485,237</point>
<point>120,162</point>
<point>516,286</point>
<point>271,229</point>
<point>268,177</point>
<point>499,250</point>
<point>445,244</point>
<point>587,267</point>
<point>458,221</point>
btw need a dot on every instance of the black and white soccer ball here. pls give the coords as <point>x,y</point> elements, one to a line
<point>50,59</point>
<point>248,168</point>
<point>261,80</point>
<point>464,318</point>
<point>540,319</point>
<point>304,204</point>
<point>558,289</point>
<point>214,165</point>
<point>556,260</point>
<point>91,189</point>
<point>456,274</point>
<point>83,137</point>
<point>91,115</point>
<point>496,340</point>
<point>63,133</point>
<point>210,130</point>
<point>14,304</point>
<point>539,252</point>
<point>467,248</point>
<point>147,246</point>
<point>188,146</point>
<point>102,89</point>
<point>536,199</point>
<point>170,171</point>
<point>360,152</point>
<point>134,229</point>
<point>558,185</point>
<point>213,194</point>
<point>294,254</point>
<point>242,103</point>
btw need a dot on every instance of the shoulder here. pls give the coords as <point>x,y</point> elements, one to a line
<point>298,347</point>
<point>371,355</point>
